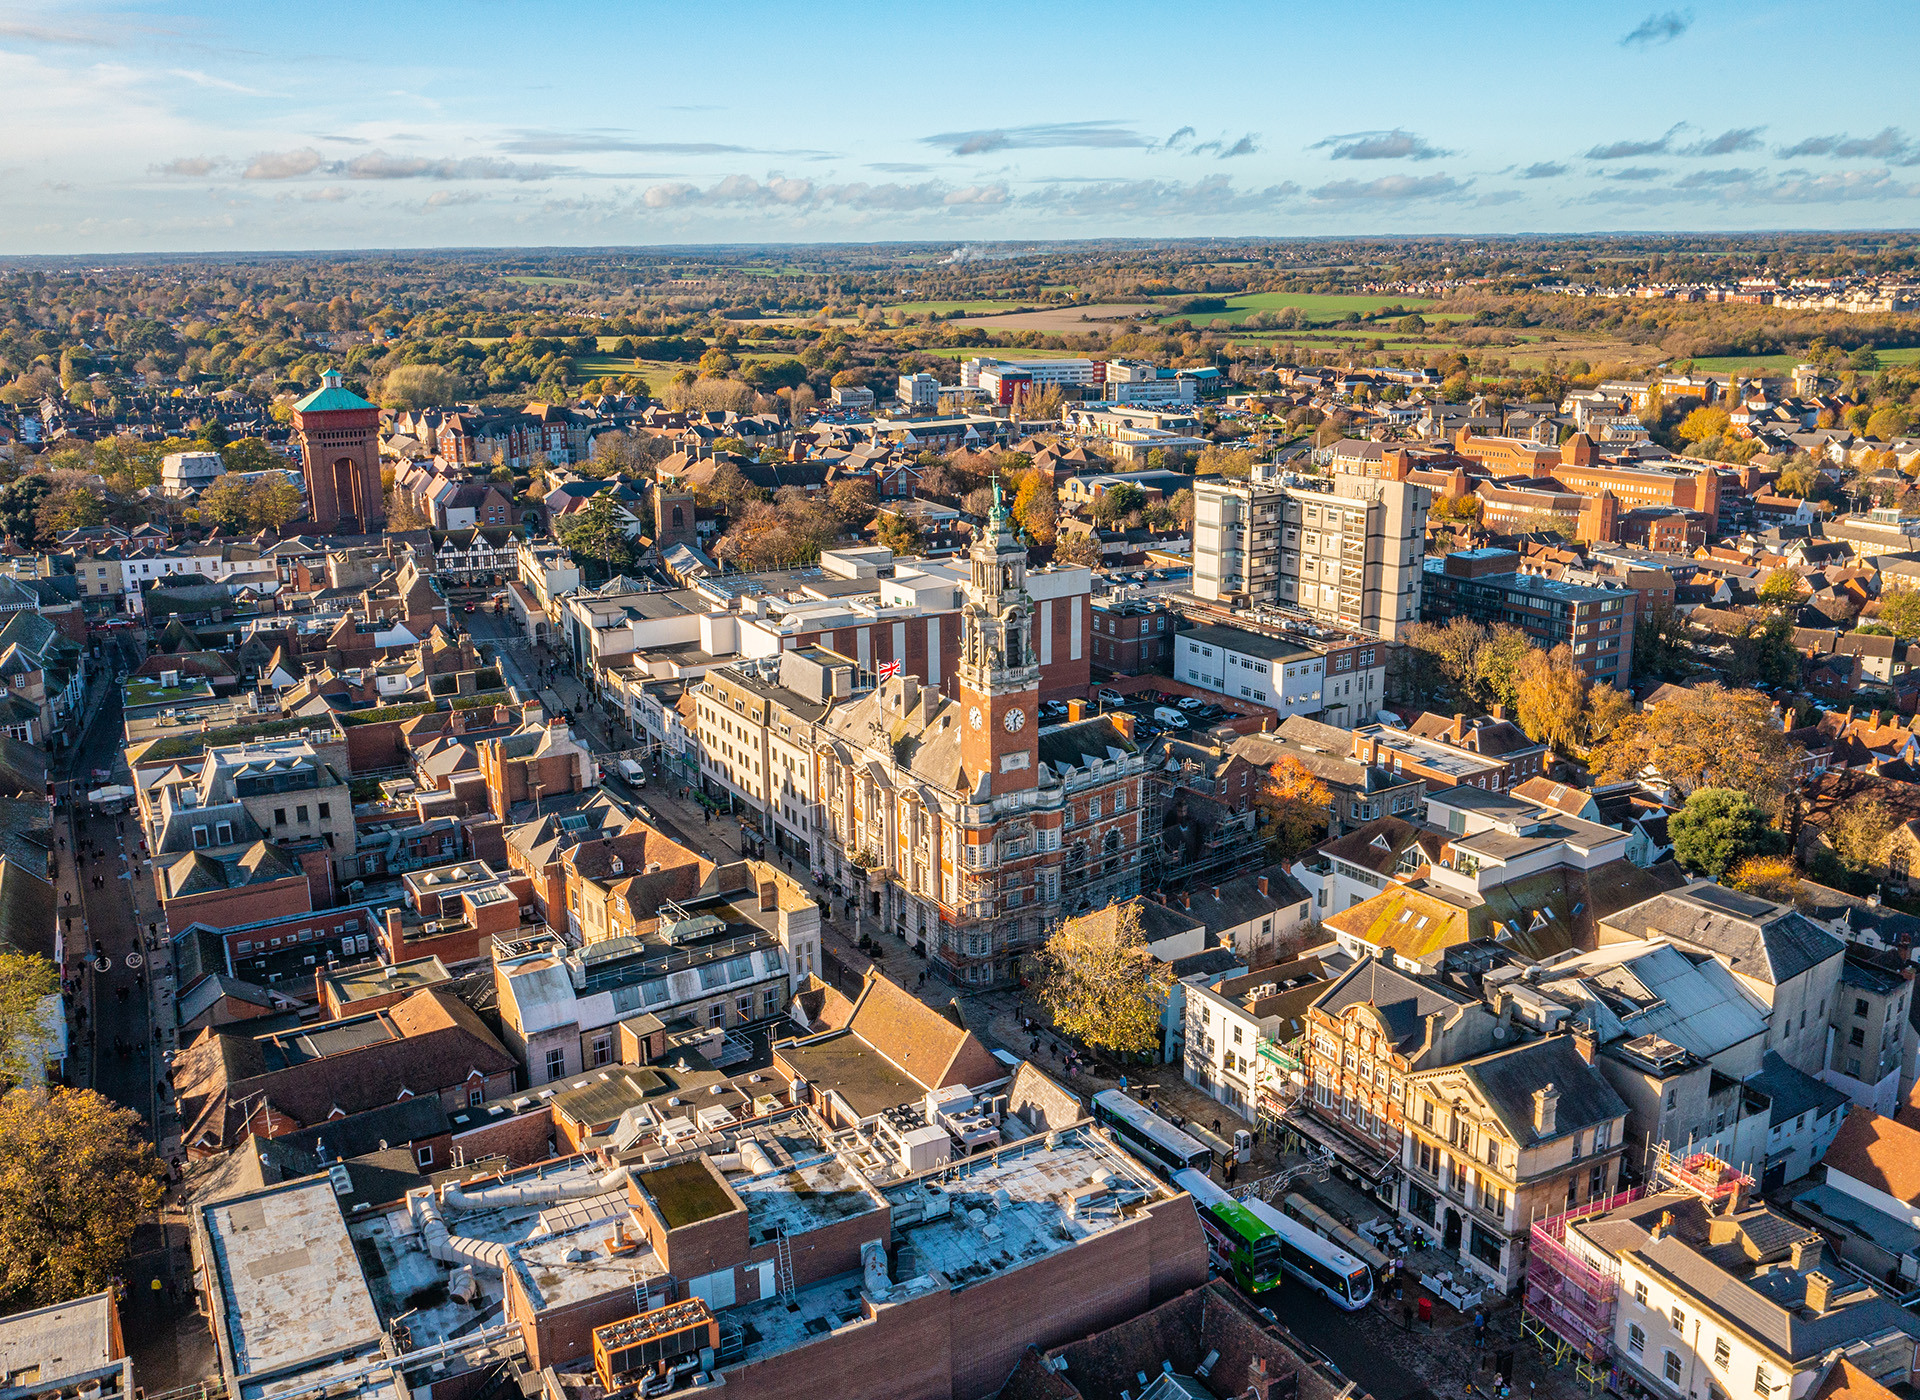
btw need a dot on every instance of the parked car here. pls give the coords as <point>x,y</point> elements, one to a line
<point>1190,702</point>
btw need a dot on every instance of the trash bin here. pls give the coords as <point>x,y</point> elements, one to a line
<point>1426,1310</point>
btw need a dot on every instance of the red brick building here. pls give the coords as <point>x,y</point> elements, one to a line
<point>338,434</point>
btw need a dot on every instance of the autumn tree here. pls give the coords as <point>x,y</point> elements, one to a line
<point>1036,508</point>
<point>1550,699</point>
<point>1497,666</point>
<point>1293,805</point>
<point>1606,707</point>
<point>26,981</point>
<point>852,500</point>
<point>274,502</point>
<point>420,386</point>
<point>1102,984</point>
<point>1857,834</point>
<point>249,454</point>
<point>70,508</point>
<point>1718,828</point>
<point>77,1175</point>
<point>899,533</point>
<point>1703,737</point>
<point>1766,877</point>
<point>403,513</point>
<point>1077,547</point>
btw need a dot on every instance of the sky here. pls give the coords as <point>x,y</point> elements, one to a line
<point>210,125</point>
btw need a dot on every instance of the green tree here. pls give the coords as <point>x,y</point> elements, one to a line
<point>1497,666</point>
<point>225,502</point>
<point>77,1175</point>
<point>1900,612</point>
<point>598,532</point>
<point>1102,983</point>
<point>1889,423</point>
<point>1659,641</point>
<point>1781,589</point>
<point>1116,503</point>
<point>1718,828</point>
<point>70,508</point>
<point>275,502</point>
<point>249,454</point>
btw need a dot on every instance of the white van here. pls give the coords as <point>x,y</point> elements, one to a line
<point>1169,716</point>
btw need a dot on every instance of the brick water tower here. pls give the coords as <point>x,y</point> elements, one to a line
<point>339,437</point>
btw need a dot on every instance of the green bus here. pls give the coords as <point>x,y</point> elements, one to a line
<point>1242,1245</point>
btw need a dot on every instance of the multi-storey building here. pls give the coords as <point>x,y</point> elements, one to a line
<point>1495,1143</point>
<point>1595,624</point>
<point>755,722</point>
<point>1364,1035</point>
<point>1344,549</point>
<point>1340,678</point>
<point>1132,636</point>
<point>965,824</point>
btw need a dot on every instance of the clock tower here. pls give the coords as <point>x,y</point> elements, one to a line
<point>999,676</point>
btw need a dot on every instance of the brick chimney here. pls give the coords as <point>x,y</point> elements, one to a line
<point>1216,892</point>
<point>1123,721</point>
<point>1805,1257</point>
<point>1076,710</point>
<point>1259,1383</point>
<point>1262,882</point>
<point>1586,1042</point>
<point>1546,1110</point>
<point>1819,1292</point>
<point>1186,899</point>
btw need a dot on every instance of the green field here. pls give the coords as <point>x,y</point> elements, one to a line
<point>1783,364</point>
<point>535,280</point>
<point>947,308</point>
<point>1317,307</point>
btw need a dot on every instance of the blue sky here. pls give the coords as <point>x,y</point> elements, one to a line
<point>212,125</point>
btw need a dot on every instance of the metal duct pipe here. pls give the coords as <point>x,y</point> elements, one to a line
<point>754,1158</point>
<point>538,1191</point>
<point>449,1248</point>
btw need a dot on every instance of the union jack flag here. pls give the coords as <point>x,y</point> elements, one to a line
<point>888,670</point>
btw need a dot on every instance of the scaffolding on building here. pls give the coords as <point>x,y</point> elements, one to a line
<point>1227,852</point>
<point>1570,1294</point>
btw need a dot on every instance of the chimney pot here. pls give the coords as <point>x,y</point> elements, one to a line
<point>1546,1108</point>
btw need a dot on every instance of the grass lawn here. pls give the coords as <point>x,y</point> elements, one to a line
<point>947,308</point>
<point>1783,364</point>
<point>536,280</point>
<point>1315,306</point>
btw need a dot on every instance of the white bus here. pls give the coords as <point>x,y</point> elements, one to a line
<point>1319,1263</point>
<point>1148,1136</point>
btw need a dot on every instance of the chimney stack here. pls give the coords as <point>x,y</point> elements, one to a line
<point>769,895</point>
<point>1263,886</point>
<point>1819,1292</point>
<point>1585,1041</point>
<point>1259,1383</point>
<point>1806,1257</point>
<point>1076,710</point>
<point>1186,899</point>
<point>1216,892</point>
<point>1546,1109</point>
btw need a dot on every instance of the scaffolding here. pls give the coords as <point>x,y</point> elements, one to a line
<point>1570,1297</point>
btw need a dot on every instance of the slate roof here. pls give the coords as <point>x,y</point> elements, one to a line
<point>28,908</point>
<point>1792,1091</point>
<point>1067,747</point>
<point>1404,1001</point>
<point>1767,942</point>
<point>1376,846</point>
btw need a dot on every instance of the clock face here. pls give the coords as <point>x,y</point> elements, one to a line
<point>973,717</point>
<point>1014,720</point>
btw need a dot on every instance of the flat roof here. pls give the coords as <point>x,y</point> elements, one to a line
<point>808,1195</point>
<point>291,1285</point>
<point>843,1064</point>
<point>1442,758</point>
<point>1246,643</point>
<point>365,980</point>
<point>67,1339</point>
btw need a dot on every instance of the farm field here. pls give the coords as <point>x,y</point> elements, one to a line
<point>1064,320</point>
<point>1317,307</point>
<point>1783,364</point>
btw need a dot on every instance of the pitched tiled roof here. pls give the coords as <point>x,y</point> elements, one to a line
<point>919,1040</point>
<point>1880,1152</point>
<point>1768,942</point>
